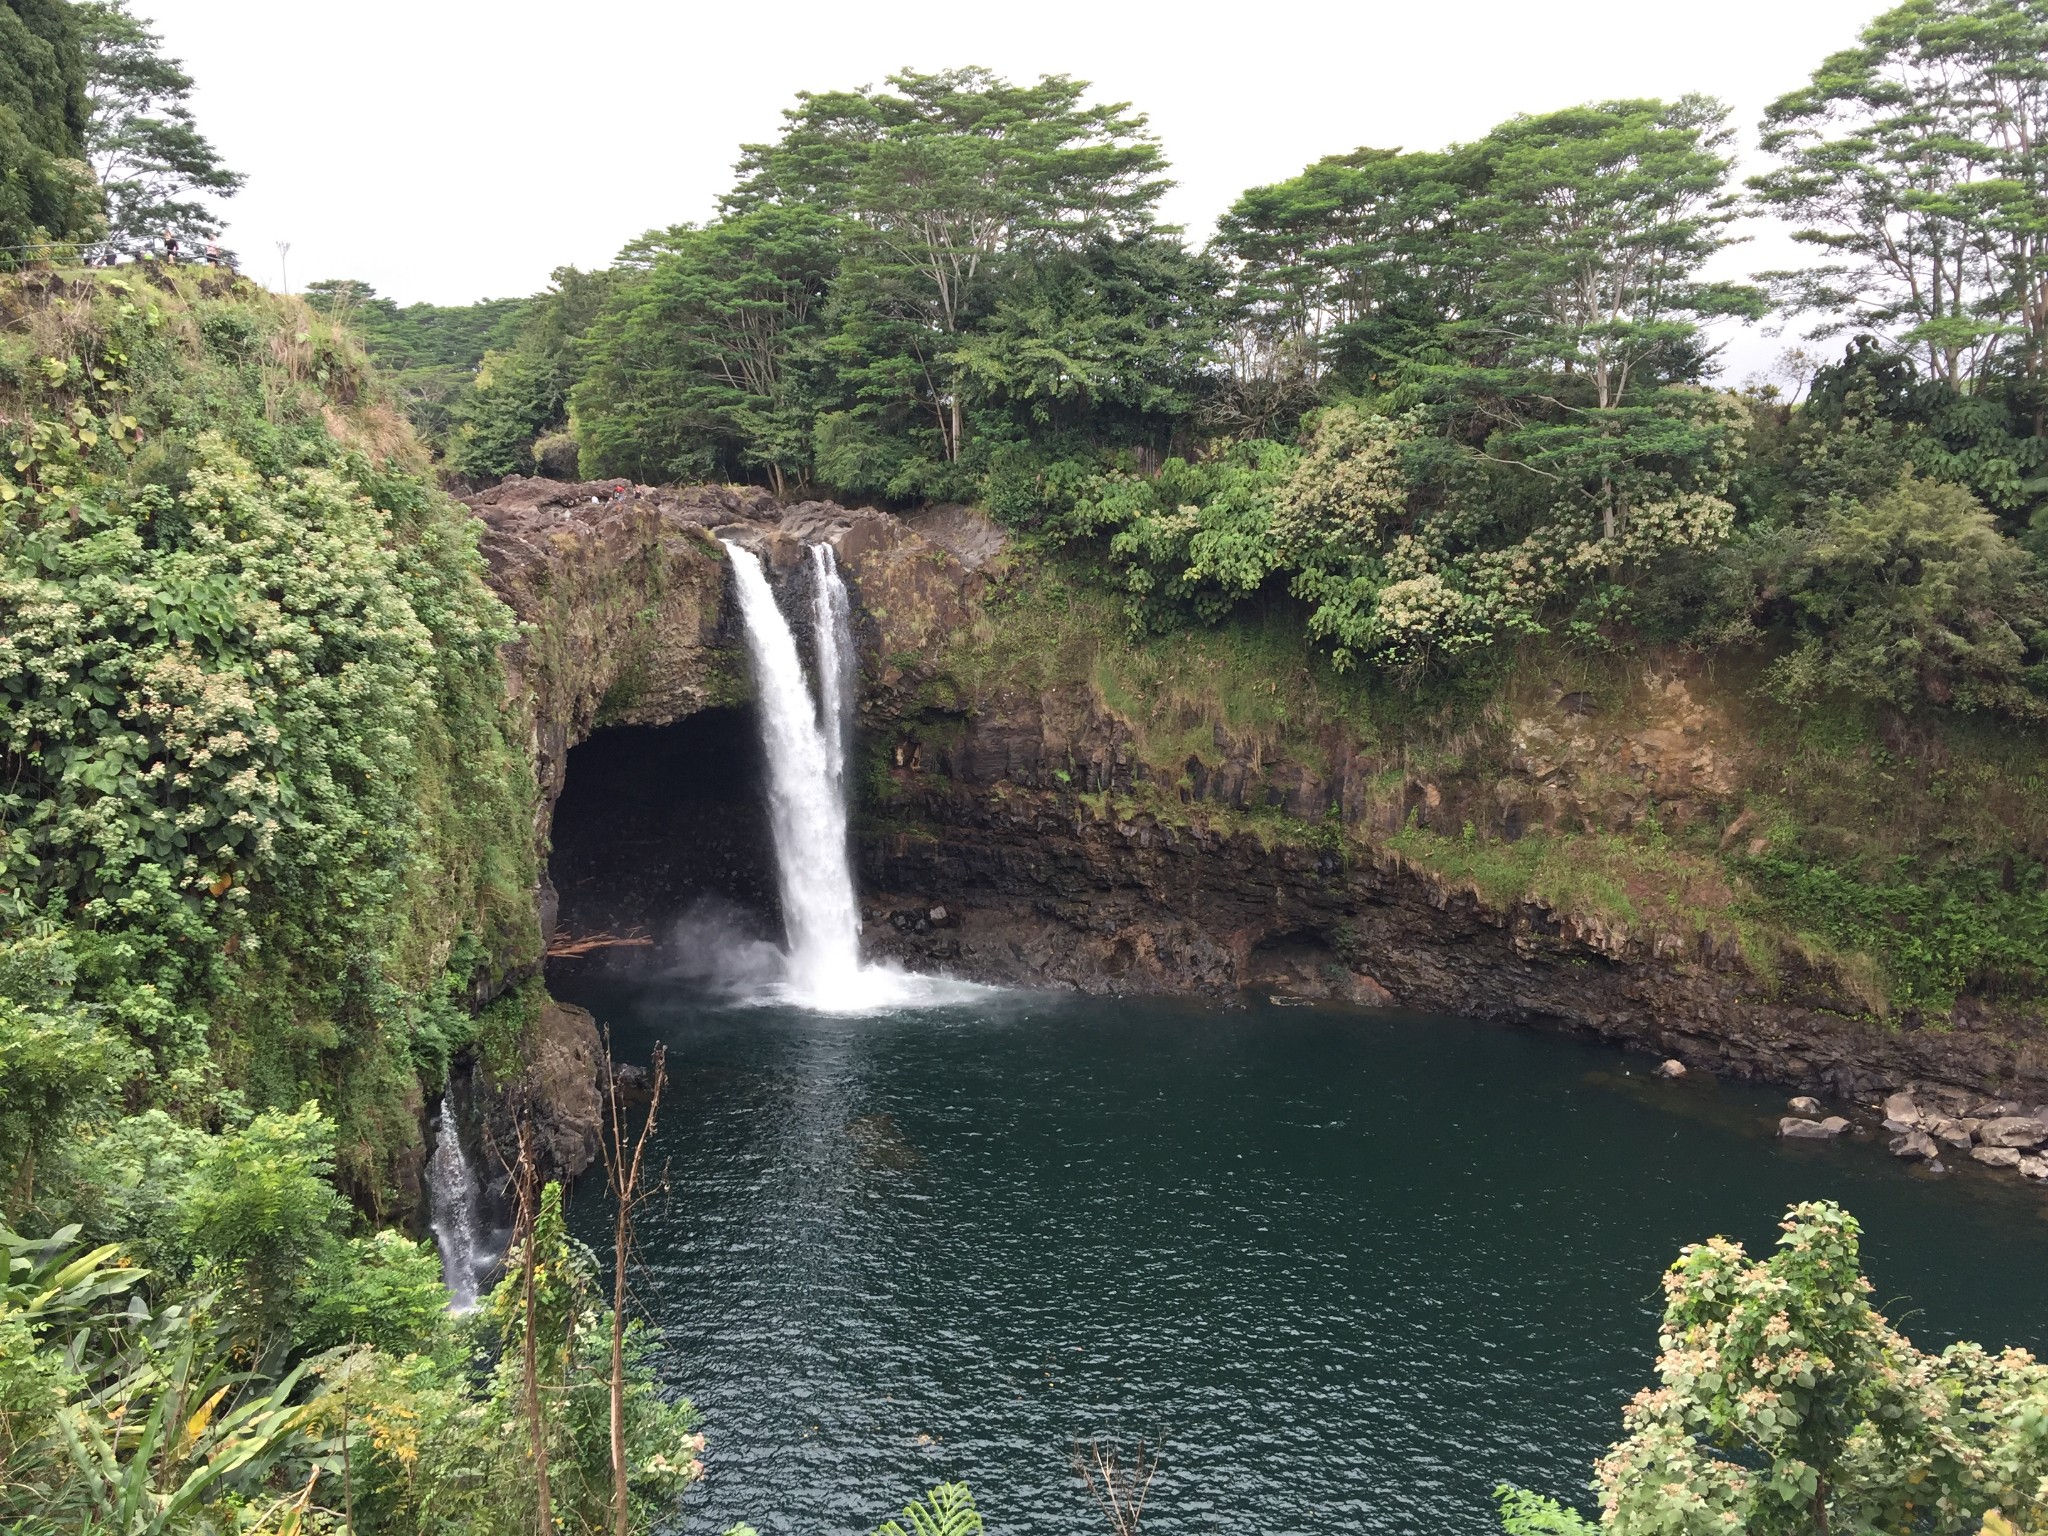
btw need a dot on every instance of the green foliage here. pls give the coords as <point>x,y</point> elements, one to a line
<point>701,368</point>
<point>128,1405</point>
<point>947,1510</point>
<point>429,353</point>
<point>242,652</point>
<point>260,1209</point>
<point>42,75</point>
<point>1789,1404</point>
<point>116,1414</point>
<point>1910,597</point>
<point>382,1290</point>
<point>1940,928</point>
<point>1523,1513</point>
<point>521,393</point>
<point>48,202</point>
<point>1915,162</point>
<point>908,282</point>
<point>154,166</point>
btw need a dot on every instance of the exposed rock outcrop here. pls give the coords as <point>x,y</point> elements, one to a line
<point>556,1096</point>
<point>1060,856</point>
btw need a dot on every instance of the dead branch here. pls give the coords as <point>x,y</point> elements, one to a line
<point>567,946</point>
<point>622,1169</point>
<point>1118,1485</point>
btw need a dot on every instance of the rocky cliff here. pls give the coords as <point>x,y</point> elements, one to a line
<point>1044,806</point>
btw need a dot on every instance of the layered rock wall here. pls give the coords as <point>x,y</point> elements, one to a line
<point>1023,835</point>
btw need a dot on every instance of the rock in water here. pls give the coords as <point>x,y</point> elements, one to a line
<point>1671,1067</point>
<point>1997,1157</point>
<point>2034,1167</point>
<point>1914,1144</point>
<point>1900,1106</point>
<point>2014,1131</point>
<point>1951,1133</point>
<point>1804,1105</point>
<point>1798,1129</point>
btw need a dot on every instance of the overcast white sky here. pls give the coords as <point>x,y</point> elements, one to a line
<point>452,150</point>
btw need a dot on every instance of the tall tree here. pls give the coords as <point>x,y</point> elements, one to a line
<point>1113,342</point>
<point>1589,234</point>
<point>518,412</point>
<point>154,165</point>
<point>942,178</point>
<point>699,367</point>
<point>1918,160</point>
<point>42,74</point>
<point>1352,265</point>
<point>46,191</point>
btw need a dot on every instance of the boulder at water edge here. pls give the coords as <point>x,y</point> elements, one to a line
<point>1812,1130</point>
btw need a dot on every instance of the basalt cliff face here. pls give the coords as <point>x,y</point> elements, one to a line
<point>1038,826</point>
<point>986,864</point>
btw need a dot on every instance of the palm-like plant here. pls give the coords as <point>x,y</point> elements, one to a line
<point>947,1510</point>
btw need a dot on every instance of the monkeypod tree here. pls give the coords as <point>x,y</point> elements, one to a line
<point>1916,162</point>
<point>945,182</point>
<point>703,367</point>
<point>155,168</point>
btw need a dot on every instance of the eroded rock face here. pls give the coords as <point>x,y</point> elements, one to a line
<point>556,1097</point>
<point>1047,892</point>
<point>1000,809</point>
<point>626,592</point>
<point>625,597</point>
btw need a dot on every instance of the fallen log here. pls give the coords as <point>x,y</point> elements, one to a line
<point>567,946</point>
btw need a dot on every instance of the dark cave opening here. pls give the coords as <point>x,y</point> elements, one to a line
<point>659,821</point>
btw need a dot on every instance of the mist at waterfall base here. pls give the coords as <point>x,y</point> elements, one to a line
<point>806,737</point>
<point>1355,1267</point>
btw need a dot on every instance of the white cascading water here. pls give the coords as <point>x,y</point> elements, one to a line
<point>832,638</point>
<point>806,740</point>
<point>455,1200</point>
<point>806,794</point>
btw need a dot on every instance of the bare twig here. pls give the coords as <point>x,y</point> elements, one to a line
<point>529,1359</point>
<point>622,1170</point>
<point>1119,1485</point>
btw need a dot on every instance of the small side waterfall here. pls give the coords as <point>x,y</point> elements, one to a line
<point>805,740</point>
<point>455,1201</point>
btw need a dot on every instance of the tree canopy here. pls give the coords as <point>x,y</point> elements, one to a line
<point>155,168</point>
<point>46,192</point>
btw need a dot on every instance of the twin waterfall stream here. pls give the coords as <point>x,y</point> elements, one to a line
<point>806,744</point>
<point>808,741</point>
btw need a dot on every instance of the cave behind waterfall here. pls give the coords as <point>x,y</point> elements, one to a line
<point>658,821</point>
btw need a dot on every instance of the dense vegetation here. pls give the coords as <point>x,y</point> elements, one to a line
<point>1445,400</point>
<point>265,826</point>
<point>99,152</point>
<point>1788,1404</point>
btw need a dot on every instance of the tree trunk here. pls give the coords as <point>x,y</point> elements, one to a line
<point>529,1357</point>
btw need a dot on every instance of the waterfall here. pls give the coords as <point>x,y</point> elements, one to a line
<point>455,1201</point>
<point>808,740</point>
<point>806,750</point>
<point>832,631</point>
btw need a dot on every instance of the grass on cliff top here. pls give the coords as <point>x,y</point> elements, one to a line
<point>1258,682</point>
<point>1902,856</point>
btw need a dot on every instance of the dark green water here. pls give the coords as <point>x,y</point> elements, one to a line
<point>1356,1268</point>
